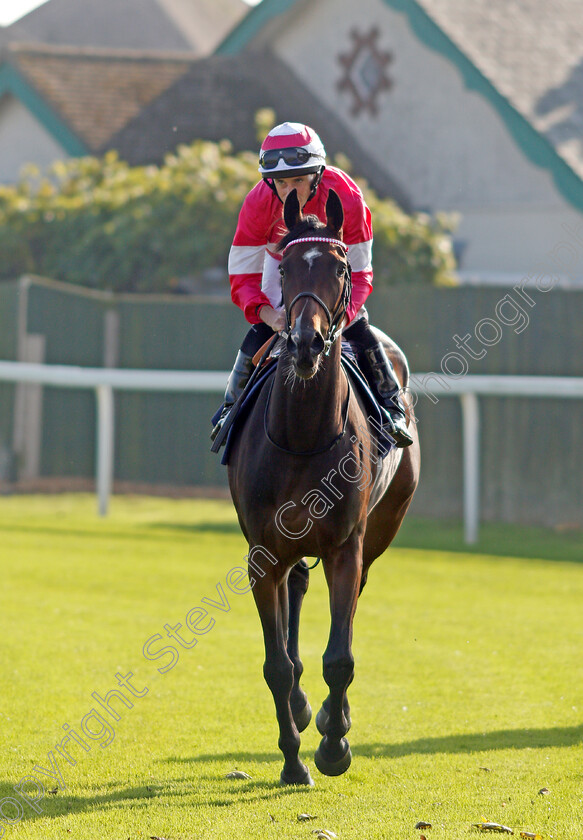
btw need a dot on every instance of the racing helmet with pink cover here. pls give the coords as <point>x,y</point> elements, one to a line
<point>291,149</point>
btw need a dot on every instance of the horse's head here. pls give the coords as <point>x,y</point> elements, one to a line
<point>315,282</point>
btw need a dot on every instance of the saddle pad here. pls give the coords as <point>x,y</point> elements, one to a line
<point>376,413</point>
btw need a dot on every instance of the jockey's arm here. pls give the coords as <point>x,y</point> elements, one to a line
<point>273,318</point>
<point>358,235</point>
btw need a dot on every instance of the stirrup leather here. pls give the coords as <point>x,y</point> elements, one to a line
<point>238,379</point>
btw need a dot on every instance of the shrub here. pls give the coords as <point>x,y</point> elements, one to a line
<point>101,223</point>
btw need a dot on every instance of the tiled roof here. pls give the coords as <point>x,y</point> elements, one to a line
<point>204,23</point>
<point>144,104</point>
<point>529,51</point>
<point>532,52</point>
<point>96,92</point>
<point>14,32</point>
<point>218,98</point>
<point>194,25</point>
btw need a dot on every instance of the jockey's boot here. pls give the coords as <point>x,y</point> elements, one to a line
<point>387,389</point>
<point>238,379</point>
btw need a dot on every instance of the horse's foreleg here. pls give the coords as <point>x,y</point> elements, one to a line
<point>271,599</point>
<point>343,574</point>
<point>297,584</point>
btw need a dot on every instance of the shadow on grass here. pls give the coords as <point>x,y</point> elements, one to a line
<point>62,803</point>
<point>145,531</point>
<point>83,533</point>
<point>504,739</point>
<point>495,539</point>
<point>198,527</point>
<point>236,757</point>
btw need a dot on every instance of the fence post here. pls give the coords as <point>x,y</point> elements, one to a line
<point>471,444</point>
<point>105,444</point>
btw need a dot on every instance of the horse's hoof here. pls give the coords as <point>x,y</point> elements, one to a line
<point>303,718</point>
<point>302,778</point>
<point>322,720</point>
<point>333,767</point>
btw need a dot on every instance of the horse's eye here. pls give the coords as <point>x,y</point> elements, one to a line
<point>282,272</point>
<point>339,270</point>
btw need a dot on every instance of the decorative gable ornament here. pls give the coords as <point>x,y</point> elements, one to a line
<point>364,69</point>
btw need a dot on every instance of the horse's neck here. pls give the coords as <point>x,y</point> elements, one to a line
<point>305,415</point>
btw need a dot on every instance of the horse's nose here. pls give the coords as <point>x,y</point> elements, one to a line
<point>317,345</point>
<point>305,346</point>
<point>291,343</point>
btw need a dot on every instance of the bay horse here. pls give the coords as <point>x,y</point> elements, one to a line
<point>307,480</point>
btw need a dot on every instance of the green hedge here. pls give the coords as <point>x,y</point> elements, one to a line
<point>100,223</point>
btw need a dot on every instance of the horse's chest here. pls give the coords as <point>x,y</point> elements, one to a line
<point>306,506</point>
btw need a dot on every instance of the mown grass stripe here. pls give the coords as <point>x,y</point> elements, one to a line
<point>466,700</point>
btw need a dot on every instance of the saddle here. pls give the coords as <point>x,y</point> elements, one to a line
<point>376,413</point>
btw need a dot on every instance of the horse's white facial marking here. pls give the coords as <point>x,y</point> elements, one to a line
<point>311,255</point>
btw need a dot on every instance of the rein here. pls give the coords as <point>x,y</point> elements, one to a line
<point>335,317</point>
<point>322,449</point>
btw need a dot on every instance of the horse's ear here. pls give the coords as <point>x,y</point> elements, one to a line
<point>292,214</point>
<point>334,212</point>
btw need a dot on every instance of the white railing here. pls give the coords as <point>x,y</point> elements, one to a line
<point>468,389</point>
<point>104,381</point>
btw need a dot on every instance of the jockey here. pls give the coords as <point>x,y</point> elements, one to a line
<point>292,157</point>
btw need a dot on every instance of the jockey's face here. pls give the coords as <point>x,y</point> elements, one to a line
<point>301,183</point>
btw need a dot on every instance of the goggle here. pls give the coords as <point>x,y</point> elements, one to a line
<point>292,157</point>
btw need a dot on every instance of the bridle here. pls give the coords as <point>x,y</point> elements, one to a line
<point>335,317</point>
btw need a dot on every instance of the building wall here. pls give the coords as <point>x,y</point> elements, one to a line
<point>22,140</point>
<point>445,144</point>
<point>520,241</point>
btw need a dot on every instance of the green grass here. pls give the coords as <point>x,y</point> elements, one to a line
<point>466,702</point>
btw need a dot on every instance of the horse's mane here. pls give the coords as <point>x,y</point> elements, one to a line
<point>309,224</point>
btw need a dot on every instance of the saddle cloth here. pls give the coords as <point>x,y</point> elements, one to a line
<point>376,413</point>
